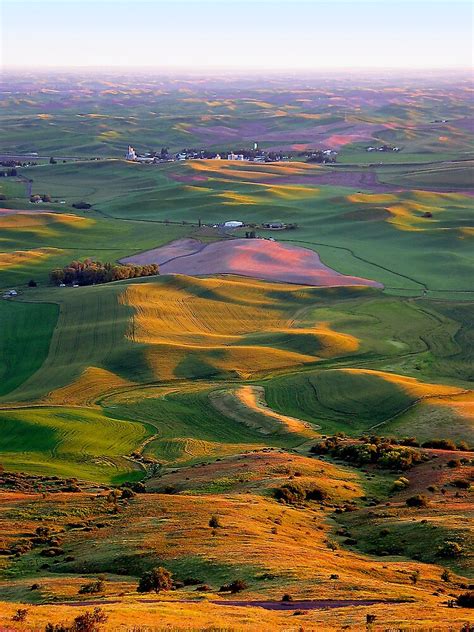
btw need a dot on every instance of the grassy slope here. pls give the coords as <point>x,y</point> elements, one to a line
<point>90,332</point>
<point>91,355</point>
<point>69,442</point>
<point>23,347</point>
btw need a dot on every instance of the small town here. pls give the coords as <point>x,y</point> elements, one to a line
<point>255,155</point>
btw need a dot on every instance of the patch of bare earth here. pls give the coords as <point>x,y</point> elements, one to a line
<point>257,258</point>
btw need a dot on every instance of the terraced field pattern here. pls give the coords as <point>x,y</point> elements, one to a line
<point>214,392</point>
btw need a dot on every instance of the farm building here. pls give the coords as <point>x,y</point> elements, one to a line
<point>233,224</point>
<point>131,154</point>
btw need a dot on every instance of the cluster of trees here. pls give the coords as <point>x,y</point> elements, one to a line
<point>378,452</point>
<point>90,272</point>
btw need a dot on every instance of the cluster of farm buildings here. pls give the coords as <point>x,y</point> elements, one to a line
<point>249,155</point>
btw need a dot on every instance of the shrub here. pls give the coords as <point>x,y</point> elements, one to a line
<point>192,581</point>
<point>92,588</point>
<point>453,463</point>
<point>81,205</point>
<point>417,501</point>
<point>439,444</point>
<point>20,614</point>
<point>461,483</point>
<point>446,575</point>
<point>287,597</point>
<point>465,600</point>
<point>53,551</point>
<point>400,484</point>
<point>295,493</point>
<point>214,522</point>
<point>411,441</point>
<point>157,579</point>
<point>449,548</point>
<point>234,587</point>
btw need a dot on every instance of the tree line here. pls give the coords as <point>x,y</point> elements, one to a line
<point>90,272</point>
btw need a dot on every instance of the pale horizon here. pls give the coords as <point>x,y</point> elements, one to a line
<point>237,36</point>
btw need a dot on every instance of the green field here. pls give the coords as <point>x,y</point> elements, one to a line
<point>355,235</point>
<point>190,421</point>
<point>69,442</point>
<point>24,341</point>
<point>396,336</point>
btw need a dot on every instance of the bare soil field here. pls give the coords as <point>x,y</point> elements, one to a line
<point>258,258</point>
<point>178,248</point>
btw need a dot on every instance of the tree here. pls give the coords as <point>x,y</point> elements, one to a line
<point>214,522</point>
<point>417,501</point>
<point>466,600</point>
<point>446,575</point>
<point>234,587</point>
<point>20,615</point>
<point>32,283</point>
<point>52,161</point>
<point>449,549</point>
<point>157,579</point>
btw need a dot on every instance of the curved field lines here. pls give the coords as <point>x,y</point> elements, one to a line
<point>90,332</point>
<point>219,326</point>
<point>417,210</point>
<point>360,400</point>
<point>247,405</point>
<point>44,224</point>
<point>88,388</point>
<point>69,442</point>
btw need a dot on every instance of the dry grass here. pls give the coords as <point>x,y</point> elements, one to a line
<point>26,257</point>
<point>42,224</point>
<point>429,613</point>
<point>410,385</point>
<point>176,320</point>
<point>87,388</point>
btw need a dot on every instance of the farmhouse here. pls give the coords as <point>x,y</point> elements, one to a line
<point>10,294</point>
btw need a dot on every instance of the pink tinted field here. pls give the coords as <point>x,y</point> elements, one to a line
<point>258,258</point>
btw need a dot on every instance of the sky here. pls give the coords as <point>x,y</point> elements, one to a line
<point>236,34</point>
